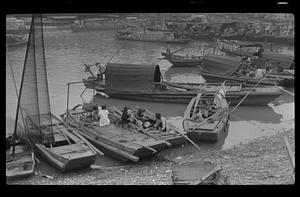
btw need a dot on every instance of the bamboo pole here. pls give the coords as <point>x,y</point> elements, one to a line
<point>248,94</point>
<point>290,152</point>
<point>186,137</point>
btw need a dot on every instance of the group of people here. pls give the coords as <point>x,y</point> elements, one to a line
<point>206,110</point>
<point>139,118</point>
<point>99,115</point>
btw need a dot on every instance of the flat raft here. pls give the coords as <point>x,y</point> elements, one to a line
<point>170,136</point>
<point>115,141</point>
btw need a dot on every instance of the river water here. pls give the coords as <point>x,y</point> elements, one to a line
<point>67,51</point>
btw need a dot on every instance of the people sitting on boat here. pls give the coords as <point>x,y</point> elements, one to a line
<point>103,114</point>
<point>125,118</point>
<point>141,115</point>
<point>198,116</point>
<point>160,123</point>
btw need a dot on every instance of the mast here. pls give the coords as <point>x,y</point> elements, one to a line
<point>20,91</point>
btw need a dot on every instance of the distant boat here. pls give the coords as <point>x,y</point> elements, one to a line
<point>152,36</point>
<point>94,24</point>
<point>16,40</point>
<point>181,60</point>
<point>62,147</point>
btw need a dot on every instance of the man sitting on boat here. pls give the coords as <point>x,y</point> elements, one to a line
<point>160,123</point>
<point>125,118</point>
<point>103,114</point>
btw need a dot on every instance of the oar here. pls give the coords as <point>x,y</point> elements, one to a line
<point>213,116</point>
<point>248,93</point>
<point>186,137</point>
<point>290,152</point>
<point>284,90</point>
<point>196,103</point>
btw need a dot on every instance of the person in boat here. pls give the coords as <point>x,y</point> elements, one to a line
<point>259,51</point>
<point>125,118</point>
<point>140,115</point>
<point>260,73</point>
<point>160,122</point>
<point>95,112</point>
<point>103,114</point>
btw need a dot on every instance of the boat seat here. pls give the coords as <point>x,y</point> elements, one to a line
<point>60,150</point>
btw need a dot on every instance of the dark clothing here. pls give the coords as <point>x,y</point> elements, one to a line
<point>124,118</point>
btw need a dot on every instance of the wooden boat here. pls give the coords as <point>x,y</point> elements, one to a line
<point>151,36</point>
<point>179,60</point>
<point>198,173</point>
<point>115,141</point>
<point>69,150</point>
<point>21,164</point>
<point>143,82</point>
<point>170,136</point>
<point>16,40</point>
<point>210,128</point>
<point>94,24</point>
<point>219,69</point>
<point>19,159</point>
<point>49,136</point>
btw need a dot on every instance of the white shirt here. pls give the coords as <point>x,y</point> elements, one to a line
<point>104,120</point>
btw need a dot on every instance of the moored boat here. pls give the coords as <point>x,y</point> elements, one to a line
<point>179,60</point>
<point>152,36</point>
<point>206,120</point>
<point>143,82</point>
<point>198,173</point>
<point>218,69</point>
<point>19,155</point>
<point>16,40</point>
<point>49,136</point>
<point>121,143</point>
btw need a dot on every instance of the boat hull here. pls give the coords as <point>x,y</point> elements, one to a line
<point>179,41</point>
<point>21,165</point>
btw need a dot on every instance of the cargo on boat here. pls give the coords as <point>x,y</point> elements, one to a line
<point>124,144</point>
<point>198,173</point>
<point>206,120</point>
<point>144,82</point>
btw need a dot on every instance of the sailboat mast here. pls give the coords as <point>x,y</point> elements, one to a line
<point>20,91</point>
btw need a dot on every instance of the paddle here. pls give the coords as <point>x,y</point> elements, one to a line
<point>196,103</point>
<point>186,137</point>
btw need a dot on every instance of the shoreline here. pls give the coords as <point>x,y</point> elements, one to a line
<point>261,161</point>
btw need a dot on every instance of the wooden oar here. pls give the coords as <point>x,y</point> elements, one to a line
<point>196,103</point>
<point>213,116</point>
<point>186,137</point>
<point>290,152</point>
<point>248,93</point>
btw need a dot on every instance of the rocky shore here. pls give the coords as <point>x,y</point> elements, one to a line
<point>261,161</point>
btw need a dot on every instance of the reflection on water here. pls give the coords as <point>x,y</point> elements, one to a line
<point>66,52</point>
